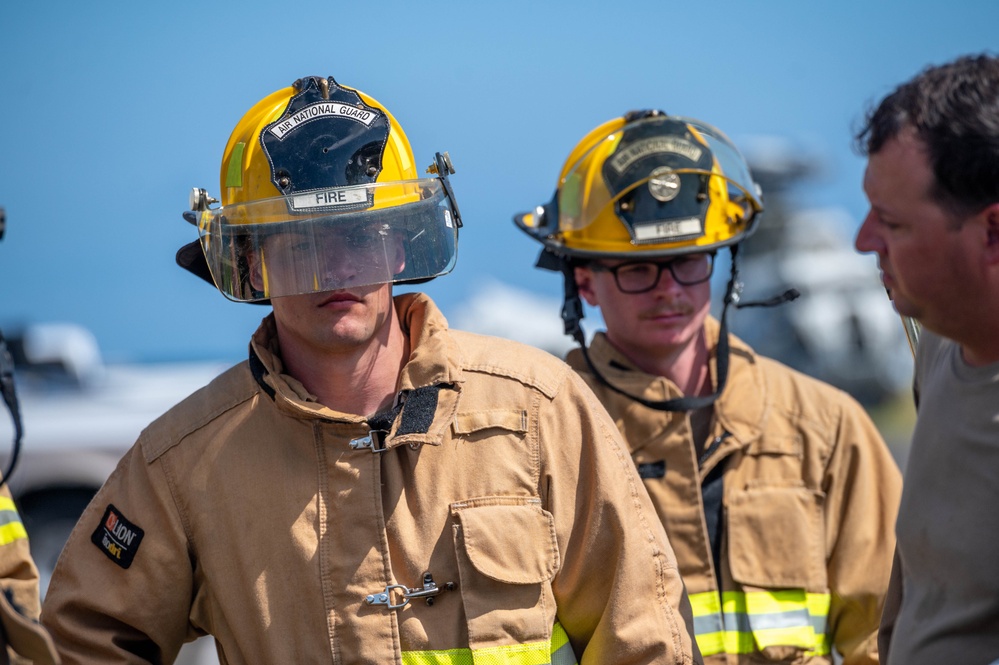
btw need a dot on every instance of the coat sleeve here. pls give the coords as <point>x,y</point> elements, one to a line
<point>863,489</point>
<point>108,601</point>
<point>619,594</point>
<point>20,634</point>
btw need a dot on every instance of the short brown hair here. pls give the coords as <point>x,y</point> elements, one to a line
<point>954,110</point>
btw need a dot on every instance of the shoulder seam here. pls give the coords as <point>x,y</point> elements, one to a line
<point>171,435</point>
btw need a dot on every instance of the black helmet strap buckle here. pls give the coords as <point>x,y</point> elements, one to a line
<point>572,306</point>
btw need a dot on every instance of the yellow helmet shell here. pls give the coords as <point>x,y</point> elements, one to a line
<point>648,185</point>
<point>251,173</point>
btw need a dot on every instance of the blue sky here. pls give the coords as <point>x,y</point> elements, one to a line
<point>112,111</point>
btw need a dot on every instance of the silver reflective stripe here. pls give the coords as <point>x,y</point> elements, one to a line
<point>789,619</point>
<point>738,621</point>
<point>564,655</point>
<point>9,517</point>
<point>709,623</point>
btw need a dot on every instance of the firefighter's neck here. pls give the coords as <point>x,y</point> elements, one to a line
<point>360,380</point>
<point>686,366</point>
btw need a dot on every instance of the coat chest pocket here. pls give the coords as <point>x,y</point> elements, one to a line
<point>776,555</point>
<point>775,537</point>
<point>509,420</point>
<point>507,557</point>
<point>496,454</point>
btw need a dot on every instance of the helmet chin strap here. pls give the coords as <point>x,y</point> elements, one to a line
<point>572,313</point>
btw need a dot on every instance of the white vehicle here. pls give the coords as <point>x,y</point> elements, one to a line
<point>79,416</point>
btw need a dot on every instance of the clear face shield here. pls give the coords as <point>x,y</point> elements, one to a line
<point>331,239</point>
<point>668,179</point>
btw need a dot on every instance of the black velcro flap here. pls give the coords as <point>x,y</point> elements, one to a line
<point>652,469</point>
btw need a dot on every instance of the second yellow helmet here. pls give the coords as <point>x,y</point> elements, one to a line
<point>645,185</point>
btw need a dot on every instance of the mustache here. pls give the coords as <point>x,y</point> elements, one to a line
<point>669,309</point>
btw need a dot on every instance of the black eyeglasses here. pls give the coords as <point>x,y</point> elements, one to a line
<point>642,276</point>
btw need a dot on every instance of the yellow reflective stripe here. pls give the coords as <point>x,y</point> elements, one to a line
<point>766,602</point>
<point>708,628</point>
<point>818,609</point>
<point>705,603</point>
<point>562,653</point>
<point>776,618</point>
<point>732,642</point>
<point>11,527</point>
<point>739,622</point>
<point>11,532</point>
<point>535,653</point>
<point>448,657</point>
<point>555,651</point>
<point>818,604</point>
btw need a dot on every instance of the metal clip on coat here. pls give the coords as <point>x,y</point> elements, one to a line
<point>375,441</point>
<point>429,590</point>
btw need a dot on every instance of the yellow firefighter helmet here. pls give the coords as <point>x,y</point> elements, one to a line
<point>320,192</point>
<point>646,185</point>
<point>640,187</point>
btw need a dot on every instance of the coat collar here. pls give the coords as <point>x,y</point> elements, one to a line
<point>740,410</point>
<point>430,380</point>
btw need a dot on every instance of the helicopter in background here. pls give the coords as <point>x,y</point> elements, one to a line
<point>843,329</point>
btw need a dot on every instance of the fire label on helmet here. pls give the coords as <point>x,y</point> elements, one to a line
<point>118,538</point>
<point>324,110</point>
<point>329,197</point>
<point>677,229</point>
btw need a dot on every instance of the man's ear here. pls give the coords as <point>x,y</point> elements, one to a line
<point>584,283</point>
<point>256,273</point>
<point>399,260</point>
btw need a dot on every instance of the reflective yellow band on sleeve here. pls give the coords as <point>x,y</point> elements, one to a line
<point>11,532</point>
<point>556,651</point>
<point>738,622</point>
<point>11,527</point>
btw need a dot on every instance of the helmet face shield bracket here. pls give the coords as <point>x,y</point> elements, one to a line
<point>542,225</point>
<point>443,168</point>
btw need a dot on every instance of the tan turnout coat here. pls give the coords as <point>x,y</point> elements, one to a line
<point>259,516</point>
<point>809,498</point>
